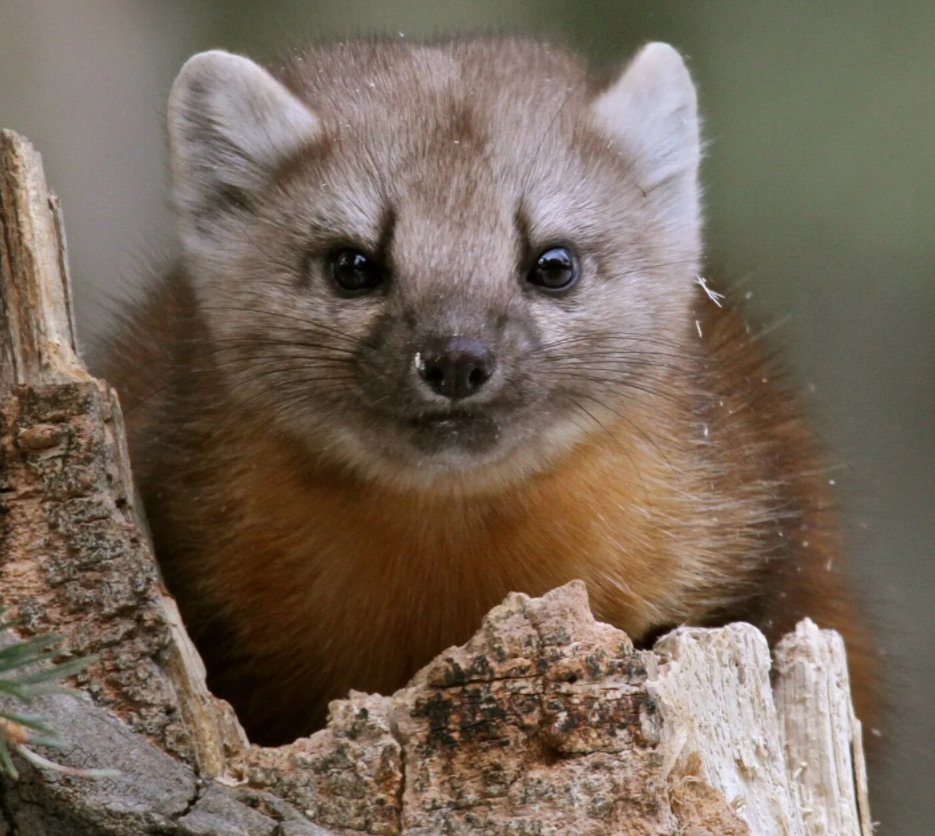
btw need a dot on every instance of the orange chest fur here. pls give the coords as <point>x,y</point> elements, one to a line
<point>340,563</point>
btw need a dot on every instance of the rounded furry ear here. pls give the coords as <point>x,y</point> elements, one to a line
<point>651,113</point>
<point>230,122</point>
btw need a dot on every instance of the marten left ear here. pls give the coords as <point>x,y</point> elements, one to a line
<point>651,113</point>
<point>230,124</point>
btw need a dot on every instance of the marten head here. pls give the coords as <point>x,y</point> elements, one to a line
<point>439,264</point>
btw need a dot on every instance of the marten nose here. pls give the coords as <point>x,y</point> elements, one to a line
<point>455,367</point>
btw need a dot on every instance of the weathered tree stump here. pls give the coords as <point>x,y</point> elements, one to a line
<point>545,722</point>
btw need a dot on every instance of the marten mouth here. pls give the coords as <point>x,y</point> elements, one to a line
<point>436,419</point>
<point>437,432</point>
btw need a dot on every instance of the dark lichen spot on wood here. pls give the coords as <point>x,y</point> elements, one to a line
<point>480,668</point>
<point>635,670</point>
<point>453,674</point>
<point>594,667</point>
<point>558,636</point>
<point>437,710</point>
<point>482,715</point>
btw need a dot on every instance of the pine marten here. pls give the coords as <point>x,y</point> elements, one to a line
<point>437,334</point>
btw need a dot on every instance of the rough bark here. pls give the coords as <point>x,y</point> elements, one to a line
<point>545,722</point>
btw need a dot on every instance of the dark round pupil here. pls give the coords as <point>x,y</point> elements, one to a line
<point>355,271</point>
<point>554,269</point>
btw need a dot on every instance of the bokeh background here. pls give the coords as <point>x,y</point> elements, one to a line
<point>820,193</point>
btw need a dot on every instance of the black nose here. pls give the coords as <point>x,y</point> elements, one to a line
<point>456,367</point>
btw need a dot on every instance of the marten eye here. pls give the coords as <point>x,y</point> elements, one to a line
<point>355,272</point>
<point>555,269</point>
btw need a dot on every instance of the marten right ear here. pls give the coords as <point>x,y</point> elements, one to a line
<point>651,115</point>
<point>230,123</point>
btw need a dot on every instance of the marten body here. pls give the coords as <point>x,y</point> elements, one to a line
<point>335,499</point>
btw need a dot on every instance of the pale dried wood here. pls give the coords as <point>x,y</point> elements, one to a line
<point>545,722</point>
<point>788,759</point>
<point>714,693</point>
<point>822,739</point>
<point>37,342</point>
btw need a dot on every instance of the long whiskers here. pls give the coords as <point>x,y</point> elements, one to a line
<point>609,435</point>
<point>293,357</point>
<point>307,324</point>
<point>290,396</point>
<point>613,339</point>
<point>636,428</point>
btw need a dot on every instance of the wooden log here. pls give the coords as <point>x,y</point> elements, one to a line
<point>545,722</point>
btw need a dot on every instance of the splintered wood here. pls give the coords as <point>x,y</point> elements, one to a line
<point>545,722</point>
<point>822,739</point>
<point>37,342</point>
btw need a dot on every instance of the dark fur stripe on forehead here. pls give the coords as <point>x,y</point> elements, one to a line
<point>523,226</point>
<point>385,239</point>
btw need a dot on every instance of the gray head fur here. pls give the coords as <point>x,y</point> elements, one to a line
<point>452,167</point>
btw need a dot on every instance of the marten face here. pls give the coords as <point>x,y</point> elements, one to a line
<point>439,265</point>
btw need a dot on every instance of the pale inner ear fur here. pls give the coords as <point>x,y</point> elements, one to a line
<point>651,114</point>
<point>230,121</point>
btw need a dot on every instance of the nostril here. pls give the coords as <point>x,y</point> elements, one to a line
<point>433,374</point>
<point>477,377</point>
<point>455,367</point>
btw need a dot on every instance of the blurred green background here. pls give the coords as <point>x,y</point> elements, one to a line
<point>820,173</point>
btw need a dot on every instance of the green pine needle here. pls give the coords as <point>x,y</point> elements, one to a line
<point>17,730</point>
<point>6,762</point>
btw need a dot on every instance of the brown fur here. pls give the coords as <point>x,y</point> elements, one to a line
<point>301,581</point>
<point>695,497</point>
